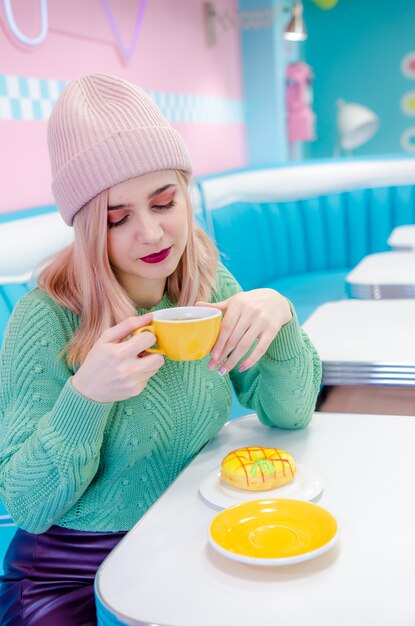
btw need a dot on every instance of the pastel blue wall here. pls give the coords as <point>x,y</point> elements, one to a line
<point>264,55</point>
<point>356,49</point>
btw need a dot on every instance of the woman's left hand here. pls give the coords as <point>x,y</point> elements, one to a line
<point>248,315</point>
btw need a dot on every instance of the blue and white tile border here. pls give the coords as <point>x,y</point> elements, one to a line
<point>28,98</point>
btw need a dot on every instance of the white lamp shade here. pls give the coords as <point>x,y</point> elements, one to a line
<point>296,29</point>
<point>356,124</point>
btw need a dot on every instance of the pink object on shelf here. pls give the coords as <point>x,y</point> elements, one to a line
<point>300,117</point>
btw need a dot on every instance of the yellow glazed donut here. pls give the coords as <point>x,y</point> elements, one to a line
<point>257,469</point>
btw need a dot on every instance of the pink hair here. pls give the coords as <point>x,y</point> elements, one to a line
<point>80,277</point>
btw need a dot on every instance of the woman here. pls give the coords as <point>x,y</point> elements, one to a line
<point>94,428</point>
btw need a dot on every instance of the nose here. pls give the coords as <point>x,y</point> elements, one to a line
<point>149,230</point>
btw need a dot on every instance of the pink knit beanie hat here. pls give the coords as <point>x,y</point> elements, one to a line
<point>102,131</point>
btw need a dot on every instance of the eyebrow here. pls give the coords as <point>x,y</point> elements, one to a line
<point>154,193</point>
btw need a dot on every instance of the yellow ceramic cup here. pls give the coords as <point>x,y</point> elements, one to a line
<point>184,333</point>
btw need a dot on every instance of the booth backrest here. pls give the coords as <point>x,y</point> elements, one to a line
<point>26,240</point>
<point>269,224</point>
<point>262,242</point>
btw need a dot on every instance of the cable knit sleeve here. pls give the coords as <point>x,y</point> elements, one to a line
<point>50,435</point>
<point>282,387</point>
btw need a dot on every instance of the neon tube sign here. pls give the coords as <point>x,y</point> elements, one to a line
<point>35,41</point>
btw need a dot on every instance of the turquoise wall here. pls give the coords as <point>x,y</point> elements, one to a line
<point>264,55</point>
<point>356,50</point>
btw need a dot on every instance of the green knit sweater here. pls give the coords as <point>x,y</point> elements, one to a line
<point>81,464</point>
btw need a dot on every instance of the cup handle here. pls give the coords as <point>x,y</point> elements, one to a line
<point>137,331</point>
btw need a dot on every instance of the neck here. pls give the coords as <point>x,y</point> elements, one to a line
<point>144,293</point>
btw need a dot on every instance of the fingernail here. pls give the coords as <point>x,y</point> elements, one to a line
<point>222,371</point>
<point>241,368</point>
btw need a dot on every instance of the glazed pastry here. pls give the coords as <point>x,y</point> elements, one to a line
<point>257,469</point>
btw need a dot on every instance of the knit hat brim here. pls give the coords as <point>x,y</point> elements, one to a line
<point>122,155</point>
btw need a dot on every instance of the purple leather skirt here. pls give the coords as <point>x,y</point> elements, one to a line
<point>49,578</point>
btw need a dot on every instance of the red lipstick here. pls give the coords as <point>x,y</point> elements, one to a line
<point>157,257</point>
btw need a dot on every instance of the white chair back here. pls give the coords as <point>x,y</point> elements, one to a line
<point>27,242</point>
<point>304,181</point>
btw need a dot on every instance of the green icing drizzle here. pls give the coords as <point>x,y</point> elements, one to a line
<point>263,465</point>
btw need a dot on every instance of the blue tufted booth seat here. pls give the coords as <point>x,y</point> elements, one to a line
<point>301,228</point>
<point>26,238</point>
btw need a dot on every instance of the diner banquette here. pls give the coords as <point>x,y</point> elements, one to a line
<point>301,228</point>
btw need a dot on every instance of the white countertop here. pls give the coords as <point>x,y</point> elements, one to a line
<point>366,331</point>
<point>402,237</point>
<point>384,268</point>
<point>165,572</point>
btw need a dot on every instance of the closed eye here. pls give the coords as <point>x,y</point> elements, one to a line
<point>114,224</point>
<point>164,207</point>
<point>158,207</point>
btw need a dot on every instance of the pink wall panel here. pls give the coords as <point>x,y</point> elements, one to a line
<point>165,53</point>
<point>24,164</point>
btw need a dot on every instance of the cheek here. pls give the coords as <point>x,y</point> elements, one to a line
<point>181,227</point>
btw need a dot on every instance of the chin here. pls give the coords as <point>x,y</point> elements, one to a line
<point>159,270</point>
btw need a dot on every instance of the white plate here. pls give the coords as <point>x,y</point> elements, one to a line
<point>307,484</point>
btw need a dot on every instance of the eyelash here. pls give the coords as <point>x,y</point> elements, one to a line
<point>165,207</point>
<point>161,208</point>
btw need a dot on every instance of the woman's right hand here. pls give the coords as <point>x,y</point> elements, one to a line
<point>113,369</point>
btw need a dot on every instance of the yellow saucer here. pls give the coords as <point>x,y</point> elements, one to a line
<point>273,532</point>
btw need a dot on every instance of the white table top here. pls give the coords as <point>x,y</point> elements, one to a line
<point>384,268</point>
<point>165,572</point>
<point>402,237</point>
<point>368,331</point>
